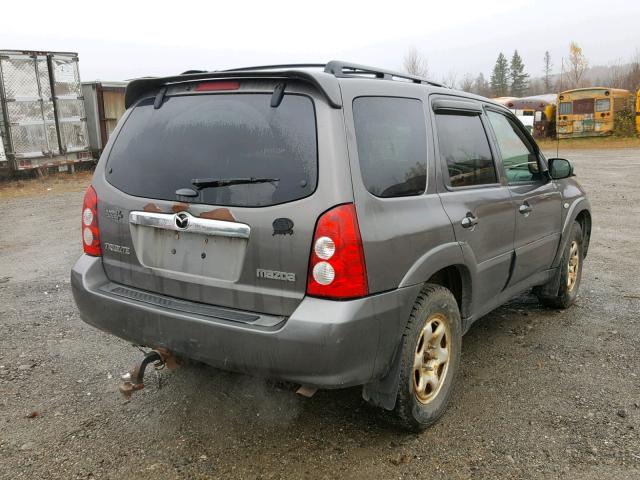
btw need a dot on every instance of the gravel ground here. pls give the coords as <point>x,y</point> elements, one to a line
<point>542,393</point>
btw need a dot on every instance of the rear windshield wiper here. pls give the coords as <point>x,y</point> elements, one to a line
<point>201,183</point>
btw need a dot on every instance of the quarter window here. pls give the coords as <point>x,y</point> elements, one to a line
<point>465,150</point>
<point>392,145</point>
<point>519,159</point>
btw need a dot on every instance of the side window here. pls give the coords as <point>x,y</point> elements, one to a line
<point>566,108</point>
<point>465,149</point>
<point>519,159</point>
<point>603,105</point>
<point>392,145</point>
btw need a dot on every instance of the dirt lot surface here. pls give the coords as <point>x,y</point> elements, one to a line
<point>542,393</point>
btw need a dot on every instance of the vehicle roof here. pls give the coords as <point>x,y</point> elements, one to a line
<point>619,91</point>
<point>534,101</point>
<point>325,77</point>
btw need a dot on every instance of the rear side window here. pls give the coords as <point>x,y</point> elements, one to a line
<point>465,150</point>
<point>392,145</point>
<point>221,136</point>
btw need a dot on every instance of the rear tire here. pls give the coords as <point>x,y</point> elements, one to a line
<point>430,358</point>
<point>570,272</point>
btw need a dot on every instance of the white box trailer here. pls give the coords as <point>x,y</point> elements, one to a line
<point>42,116</point>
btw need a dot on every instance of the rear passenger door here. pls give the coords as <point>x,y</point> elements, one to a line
<point>477,203</point>
<point>535,197</point>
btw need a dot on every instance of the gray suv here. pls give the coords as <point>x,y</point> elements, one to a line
<point>330,225</point>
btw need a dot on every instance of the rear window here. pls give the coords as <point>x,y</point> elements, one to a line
<point>222,136</point>
<point>583,106</point>
<point>392,145</point>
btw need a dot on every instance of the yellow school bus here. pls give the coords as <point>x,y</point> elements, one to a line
<point>638,111</point>
<point>587,112</point>
<point>537,112</point>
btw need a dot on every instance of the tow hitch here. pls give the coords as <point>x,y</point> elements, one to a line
<point>134,380</point>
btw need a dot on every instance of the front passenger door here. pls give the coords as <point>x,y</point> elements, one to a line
<point>535,197</point>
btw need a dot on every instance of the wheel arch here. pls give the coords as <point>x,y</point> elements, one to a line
<point>444,265</point>
<point>584,219</point>
<point>457,279</point>
<point>579,211</point>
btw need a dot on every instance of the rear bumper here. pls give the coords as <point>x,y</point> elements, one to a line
<point>324,343</point>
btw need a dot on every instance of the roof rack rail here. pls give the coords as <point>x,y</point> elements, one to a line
<point>342,69</point>
<point>346,69</point>
<point>273,67</point>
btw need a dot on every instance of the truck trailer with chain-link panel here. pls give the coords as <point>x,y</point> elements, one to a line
<point>42,115</point>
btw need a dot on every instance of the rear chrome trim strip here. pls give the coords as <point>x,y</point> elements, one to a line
<point>185,222</point>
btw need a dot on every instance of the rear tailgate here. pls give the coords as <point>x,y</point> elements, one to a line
<point>243,246</point>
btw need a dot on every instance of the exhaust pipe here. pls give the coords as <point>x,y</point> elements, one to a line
<point>134,380</point>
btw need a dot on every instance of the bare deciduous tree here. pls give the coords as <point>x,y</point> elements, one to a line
<point>450,79</point>
<point>538,86</point>
<point>467,83</point>
<point>415,63</point>
<point>632,78</point>
<point>481,86</point>
<point>577,65</point>
<point>616,74</point>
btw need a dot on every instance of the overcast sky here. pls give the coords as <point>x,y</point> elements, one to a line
<point>125,39</point>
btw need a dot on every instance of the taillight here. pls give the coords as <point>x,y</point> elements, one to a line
<point>337,269</point>
<point>90,231</point>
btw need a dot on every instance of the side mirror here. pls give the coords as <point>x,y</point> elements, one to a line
<point>560,168</point>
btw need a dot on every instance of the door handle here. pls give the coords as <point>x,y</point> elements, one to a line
<point>469,221</point>
<point>525,209</point>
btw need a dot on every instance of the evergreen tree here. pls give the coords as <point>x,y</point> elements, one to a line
<point>519,79</point>
<point>500,77</point>
<point>547,71</point>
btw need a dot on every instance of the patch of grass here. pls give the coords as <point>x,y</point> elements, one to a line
<point>46,185</point>
<point>591,143</point>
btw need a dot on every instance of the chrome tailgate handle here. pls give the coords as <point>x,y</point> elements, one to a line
<point>185,222</point>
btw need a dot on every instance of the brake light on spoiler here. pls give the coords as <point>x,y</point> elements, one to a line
<point>217,85</point>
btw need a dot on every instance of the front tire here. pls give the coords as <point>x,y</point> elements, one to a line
<point>430,358</point>
<point>570,273</point>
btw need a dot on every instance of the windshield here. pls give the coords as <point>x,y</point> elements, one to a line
<point>223,136</point>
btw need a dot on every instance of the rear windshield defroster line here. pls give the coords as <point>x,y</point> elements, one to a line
<point>221,136</point>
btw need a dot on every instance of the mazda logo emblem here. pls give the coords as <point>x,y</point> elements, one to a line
<point>182,220</point>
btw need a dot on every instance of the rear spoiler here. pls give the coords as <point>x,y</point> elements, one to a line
<point>325,83</point>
